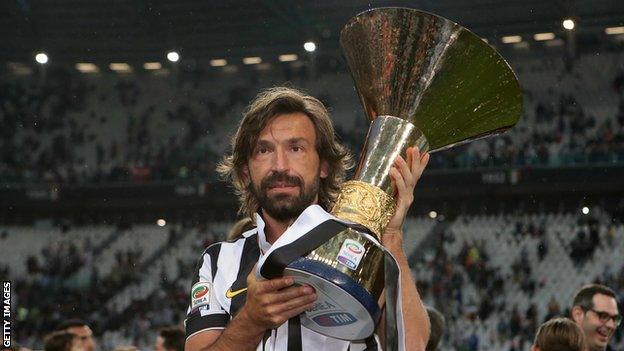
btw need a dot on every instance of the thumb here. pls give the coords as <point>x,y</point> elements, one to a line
<point>251,277</point>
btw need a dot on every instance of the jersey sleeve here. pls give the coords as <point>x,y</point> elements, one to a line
<point>204,311</point>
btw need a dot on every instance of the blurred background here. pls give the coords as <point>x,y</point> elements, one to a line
<point>114,113</point>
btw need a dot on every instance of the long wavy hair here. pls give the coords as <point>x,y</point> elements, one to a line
<point>271,103</point>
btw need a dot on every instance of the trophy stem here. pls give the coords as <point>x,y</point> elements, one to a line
<point>368,199</point>
<point>388,137</point>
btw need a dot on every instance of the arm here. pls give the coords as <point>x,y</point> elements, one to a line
<point>269,304</point>
<point>405,175</point>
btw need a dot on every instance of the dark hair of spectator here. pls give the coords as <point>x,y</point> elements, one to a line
<point>585,296</point>
<point>70,323</point>
<point>58,341</point>
<point>174,338</point>
<point>560,334</point>
<point>437,323</point>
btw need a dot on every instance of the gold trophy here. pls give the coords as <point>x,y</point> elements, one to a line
<point>424,81</point>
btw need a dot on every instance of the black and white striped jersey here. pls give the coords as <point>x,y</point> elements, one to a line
<point>219,291</point>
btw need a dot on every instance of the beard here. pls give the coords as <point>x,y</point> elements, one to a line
<point>283,207</point>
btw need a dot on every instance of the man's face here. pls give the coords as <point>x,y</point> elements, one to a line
<point>285,169</point>
<point>160,344</point>
<point>85,337</point>
<point>597,332</point>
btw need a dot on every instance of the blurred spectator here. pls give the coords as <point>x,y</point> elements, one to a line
<point>62,341</point>
<point>81,330</point>
<point>437,323</point>
<point>170,339</point>
<point>559,334</point>
<point>595,310</point>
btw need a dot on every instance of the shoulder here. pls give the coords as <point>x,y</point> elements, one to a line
<point>232,247</point>
<point>217,246</point>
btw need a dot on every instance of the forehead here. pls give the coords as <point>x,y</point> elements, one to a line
<point>605,303</point>
<point>287,126</point>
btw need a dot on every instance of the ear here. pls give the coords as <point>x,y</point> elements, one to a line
<point>577,314</point>
<point>324,169</point>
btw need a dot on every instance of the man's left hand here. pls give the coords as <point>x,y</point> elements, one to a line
<point>404,175</point>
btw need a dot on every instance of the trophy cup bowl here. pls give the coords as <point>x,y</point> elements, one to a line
<point>423,81</point>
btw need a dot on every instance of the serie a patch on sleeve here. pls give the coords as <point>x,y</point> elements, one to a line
<point>200,295</point>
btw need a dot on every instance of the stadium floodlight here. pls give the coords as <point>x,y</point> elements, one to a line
<point>41,58</point>
<point>544,36</point>
<point>173,56</point>
<point>254,60</point>
<point>585,210</point>
<point>152,65</point>
<point>288,57</point>
<point>120,67</point>
<point>86,67</point>
<point>614,30</point>
<point>218,62</point>
<point>568,24</point>
<point>161,222</point>
<point>511,39</point>
<point>309,46</point>
<point>433,214</point>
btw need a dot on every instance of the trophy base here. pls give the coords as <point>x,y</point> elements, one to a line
<point>343,309</point>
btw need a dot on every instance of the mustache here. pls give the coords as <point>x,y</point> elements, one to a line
<point>280,177</point>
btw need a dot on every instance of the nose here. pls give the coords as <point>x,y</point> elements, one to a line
<point>280,161</point>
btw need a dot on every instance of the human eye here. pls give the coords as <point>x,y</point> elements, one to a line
<point>604,316</point>
<point>262,149</point>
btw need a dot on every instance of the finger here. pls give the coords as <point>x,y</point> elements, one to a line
<point>405,170</point>
<point>410,156</point>
<point>294,303</point>
<point>289,293</point>
<point>251,277</point>
<point>274,284</point>
<point>424,159</point>
<point>398,181</point>
<point>421,165</point>
<point>417,157</point>
<point>298,310</point>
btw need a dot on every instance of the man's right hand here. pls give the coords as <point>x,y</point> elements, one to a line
<point>269,304</point>
<point>272,302</point>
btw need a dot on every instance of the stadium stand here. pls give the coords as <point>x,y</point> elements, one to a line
<point>494,277</point>
<point>109,128</point>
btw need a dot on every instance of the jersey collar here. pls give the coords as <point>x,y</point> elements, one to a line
<point>308,218</point>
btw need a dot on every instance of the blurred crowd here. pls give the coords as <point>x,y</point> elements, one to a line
<point>473,294</point>
<point>49,294</point>
<point>468,288</point>
<point>70,129</point>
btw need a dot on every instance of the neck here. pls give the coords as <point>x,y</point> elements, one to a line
<point>274,228</point>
